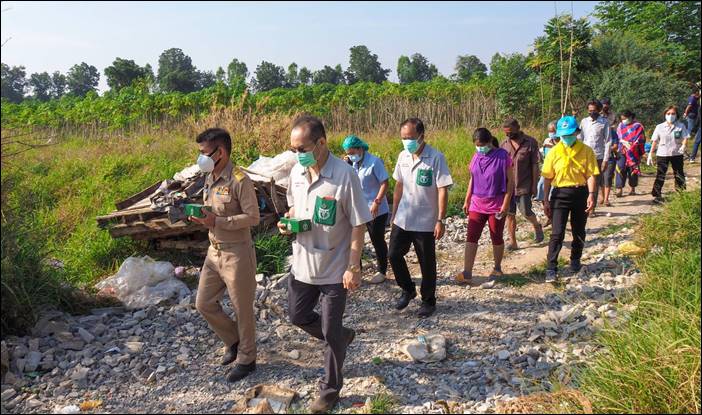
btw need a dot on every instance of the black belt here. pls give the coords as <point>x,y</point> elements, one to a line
<point>572,187</point>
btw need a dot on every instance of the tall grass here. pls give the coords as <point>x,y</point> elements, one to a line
<point>651,364</point>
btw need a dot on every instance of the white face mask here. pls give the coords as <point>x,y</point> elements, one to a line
<point>626,121</point>
<point>670,118</point>
<point>205,163</point>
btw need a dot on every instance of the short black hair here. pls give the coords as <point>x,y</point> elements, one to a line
<point>510,122</point>
<point>312,125</point>
<point>606,100</point>
<point>628,114</point>
<point>596,103</point>
<point>416,123</point>
<point>219,136</point>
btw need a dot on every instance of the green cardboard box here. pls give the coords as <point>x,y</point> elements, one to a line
<point>297,225</point>
<point>194,210</point>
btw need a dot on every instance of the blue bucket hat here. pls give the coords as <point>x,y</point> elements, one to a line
<point>353,141</point>
<point>566,126</point>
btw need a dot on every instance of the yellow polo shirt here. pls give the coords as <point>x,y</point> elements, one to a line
<point>570,166</point>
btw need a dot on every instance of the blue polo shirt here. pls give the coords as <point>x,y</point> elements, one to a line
<point>371,171</point>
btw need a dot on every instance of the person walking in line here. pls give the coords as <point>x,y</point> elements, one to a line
<point>487,200</point>
<point>595,132</point>
<point>668,142</point>
<point>374,182</point>
<point>325,190</point>
<point>419,208</point>
<point>570,167</point>
<point>524,152</point>
<point>631,149</point>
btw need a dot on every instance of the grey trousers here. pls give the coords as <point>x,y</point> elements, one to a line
<point>302,298</point>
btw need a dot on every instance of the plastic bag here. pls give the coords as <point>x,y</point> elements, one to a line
<point>141,282</point>
<point>277,167</point>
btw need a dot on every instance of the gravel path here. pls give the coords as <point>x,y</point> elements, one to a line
<point>503,340</point>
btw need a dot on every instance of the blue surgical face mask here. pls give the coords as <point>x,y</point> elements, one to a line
<point>355,158</point>
<point>551,135</point>
<point>483,149</point>
<point>569,140</point>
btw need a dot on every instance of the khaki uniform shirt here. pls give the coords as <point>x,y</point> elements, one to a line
<point>233,199</point>
<point>334,203</point>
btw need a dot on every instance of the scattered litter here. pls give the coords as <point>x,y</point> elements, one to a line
<point>70,409</point>
<point>141,282</point>
<point>265,399</point>
<point>427,349</point>
<point>631,249</point>
<point>90,405</point>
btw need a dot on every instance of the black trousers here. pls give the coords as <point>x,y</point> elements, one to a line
<point>425,248</point>
<point>662,168</point>
<point>567,202</point>
<point>376,231</point>
<point>302,298</point>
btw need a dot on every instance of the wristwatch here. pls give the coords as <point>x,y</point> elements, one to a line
<point>441,221</point>
<point>354,268</point>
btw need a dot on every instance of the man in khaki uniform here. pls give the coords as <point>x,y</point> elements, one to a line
<point>231,259</point>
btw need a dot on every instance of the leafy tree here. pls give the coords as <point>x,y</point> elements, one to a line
<point>59,83</point>
<point>237,70</point>
<point>329,75</point>
<point>365,67</point>
<point>124,71</point>
<point>469,66</point>
<point>514,84</point>
<point>292,78</point>
<point>416,69</point>
<point>305,76</point>
<point>176,72</point>
<point>220,75</point>
<point>82,79</point>
<point>41,85</point>
<point>674,26</point>
<point>205,79</point>
<point>268,76</point>
<point>14,83</point>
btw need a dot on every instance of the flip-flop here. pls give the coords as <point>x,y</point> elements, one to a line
<point>463,277</point>
<point>496,273</point>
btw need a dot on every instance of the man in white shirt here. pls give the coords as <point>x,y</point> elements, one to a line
<point>418,210</point>
<point>326,191</point>
<point>595,132</point>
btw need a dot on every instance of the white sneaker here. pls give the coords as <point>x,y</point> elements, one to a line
<point>377,278</point>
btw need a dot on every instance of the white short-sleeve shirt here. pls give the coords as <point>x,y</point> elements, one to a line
<point>335,204</point>
<point>596,134</point>
<point>419,206</point>
<point>669,138</point>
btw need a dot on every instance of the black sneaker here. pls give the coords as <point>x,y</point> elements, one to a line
<point>658,200</point>
<point>241,371</point>
<point>551,275</point>
<point>405,299</point>
<point>426,310</point>
<point>575,266</point>
<point>230,355</point>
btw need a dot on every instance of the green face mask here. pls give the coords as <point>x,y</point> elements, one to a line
<point>569,140</point>
<point>307,159</point>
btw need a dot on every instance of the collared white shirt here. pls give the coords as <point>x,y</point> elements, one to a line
<point>665,134</point>
<point>418,209</point>
<point>321,256</point>
<point>597,135</point>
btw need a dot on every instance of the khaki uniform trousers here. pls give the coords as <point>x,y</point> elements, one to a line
<point>231,267</point>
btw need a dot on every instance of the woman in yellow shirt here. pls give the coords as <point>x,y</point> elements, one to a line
<point>570,167</point>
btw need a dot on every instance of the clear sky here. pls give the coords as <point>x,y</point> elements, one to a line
<point>49,36</point>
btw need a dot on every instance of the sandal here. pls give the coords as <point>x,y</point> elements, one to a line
<point>463,277</point>
<point>496,273</point>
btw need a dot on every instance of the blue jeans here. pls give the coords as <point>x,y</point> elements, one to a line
<point>540,190</point>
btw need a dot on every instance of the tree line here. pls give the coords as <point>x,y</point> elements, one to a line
<point>176,73</point>
<point>641,54</point>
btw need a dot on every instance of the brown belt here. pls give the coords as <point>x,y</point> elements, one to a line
<point>224,245</point>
